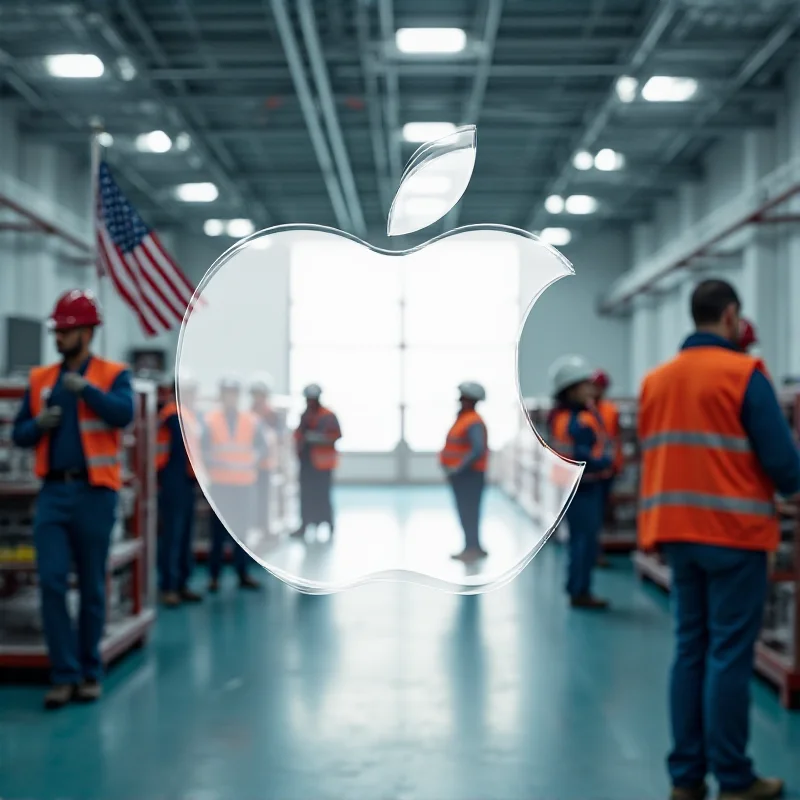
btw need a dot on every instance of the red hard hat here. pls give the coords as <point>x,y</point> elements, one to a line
<point>747,334</point>
<point>77,308</point>
<point>601,379</point>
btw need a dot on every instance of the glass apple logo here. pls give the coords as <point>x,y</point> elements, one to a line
<point>242,328</point>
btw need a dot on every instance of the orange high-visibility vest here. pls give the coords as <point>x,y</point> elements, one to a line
<point>561,441</point>
<point>232,457</point>
<point>101,442</point>
<point>324,457</point>
<point>609,414</point>
<point>191,429</point>
<point>457,445</point>
<point>701,481</point>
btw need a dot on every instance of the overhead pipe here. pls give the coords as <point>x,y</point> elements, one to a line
<point>325,94</point>
<point>392,107</point>
<point>318,141</point>
<point>43,225</point>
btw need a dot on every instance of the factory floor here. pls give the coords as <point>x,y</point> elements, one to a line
<point>385,692</point>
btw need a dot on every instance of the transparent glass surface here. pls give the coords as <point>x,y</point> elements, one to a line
<point>242,327</point>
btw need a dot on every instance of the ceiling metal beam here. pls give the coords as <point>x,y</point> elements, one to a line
<point>308,26</point>
<point>474,104</point>
<point>392,99</point>
<point>304,95</point>
<point>658,23</point>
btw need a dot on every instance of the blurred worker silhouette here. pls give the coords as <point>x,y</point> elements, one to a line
<point>73,414</point>
<point>177,494</point>
<point>464,458</point>
<point>315,443</point>
<point>715,449</point>
<point>577,432</point>
<point>260,394</point>
<point>609,414</point>
<point>748,337</point>
<point>233,444</point>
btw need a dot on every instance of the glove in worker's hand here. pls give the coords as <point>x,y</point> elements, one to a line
<point>49,418</point>
<point>73,382</point>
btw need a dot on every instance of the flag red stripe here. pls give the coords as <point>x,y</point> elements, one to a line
<point>153,275</point>
<point>145,292</point>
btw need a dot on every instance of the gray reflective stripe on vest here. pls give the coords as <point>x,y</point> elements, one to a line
<point>715,441</point>
<point>94,426</point>
<point>103,461</point>
<point>235,466</point>
<point>162,448</point>
<point>709,502</point>
<point>233,448</point>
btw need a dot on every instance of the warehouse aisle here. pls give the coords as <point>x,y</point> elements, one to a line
<point>387,691</point>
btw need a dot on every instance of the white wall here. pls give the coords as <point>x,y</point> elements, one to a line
<point>564,320</point>
<point>762,262</point>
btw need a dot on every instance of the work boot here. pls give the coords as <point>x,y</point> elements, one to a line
<point>188,596</point>
<point>59,695</point>
<point>89,691</point>
<point>759,789</point>
<point>684,793</point>
<point>299,533</point>
<point>588,601</point>
<point>469,555</point>
<point>213,585</point>
<point>246,582</point>
<point>170,599</point>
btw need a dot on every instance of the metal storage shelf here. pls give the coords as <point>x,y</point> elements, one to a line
<point>129,580</point>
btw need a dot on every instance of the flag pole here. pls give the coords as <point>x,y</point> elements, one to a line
<point>97,128</point>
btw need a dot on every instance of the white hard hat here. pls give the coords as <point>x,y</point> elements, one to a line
<point>569,370</point>
<point>186,381</point>
<point>312,392</point>
<point>472,390</point>
<point>262,382</point>
<point>230,382</point>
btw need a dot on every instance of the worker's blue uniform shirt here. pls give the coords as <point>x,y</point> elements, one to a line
<point>764,423</point>
<point>115,407</point>
<point>176,470</point>
<point>583,440</point>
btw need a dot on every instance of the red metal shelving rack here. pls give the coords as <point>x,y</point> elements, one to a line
<point>133,552</point>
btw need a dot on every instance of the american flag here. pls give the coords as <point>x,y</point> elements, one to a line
<point>133,258</point>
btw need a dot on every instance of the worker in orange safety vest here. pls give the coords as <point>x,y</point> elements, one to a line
<point>715,450</point>
<point>261,386</point>
<point>177,493</point>
<point>233,444</point>
<point>609,413</point>
<point>315,444</point>
<point>73,415</point>
<point>465,459</point>
<point>577,432</point>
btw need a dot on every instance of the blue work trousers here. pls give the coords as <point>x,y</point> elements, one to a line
<point>718,596</point>
<point>236,504</point>
<point>72,525</point>
<point>176,504</point>
<point>468,492</point>
<point>585,520</point>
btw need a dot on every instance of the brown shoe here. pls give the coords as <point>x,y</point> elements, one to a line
<point>188,596</point>
<point>759,789</point>
<point>469,555</point>
<point>684,793</point>
<point>170,599</point>
<point>588,601</point>
<point>89,691</point>
<point>246,582</point>
<point>59,695</point>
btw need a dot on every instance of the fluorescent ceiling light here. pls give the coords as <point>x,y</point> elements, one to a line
<point>580,204</point>
<point>554,204</point>
<point>427,131</point>
<point>430,40</point>
<point>662,89</point>
<point>126,69</point>
<point>239,228</point>
<point>105,139</point>
<point>608,160</point>
<point>582,160</point>
<point>558,237</point>
<point>213,227</point>
<point>421,183</point>
<point>424,206</point>
<point>626,88</point>
<point>183,141</point>
<point>197,192</point>
<point>74,66</point>
<point>153,142</point>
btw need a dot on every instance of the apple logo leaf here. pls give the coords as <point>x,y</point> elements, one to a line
<point>436,177</point>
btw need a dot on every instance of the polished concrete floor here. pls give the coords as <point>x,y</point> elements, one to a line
<point>384,692</point>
